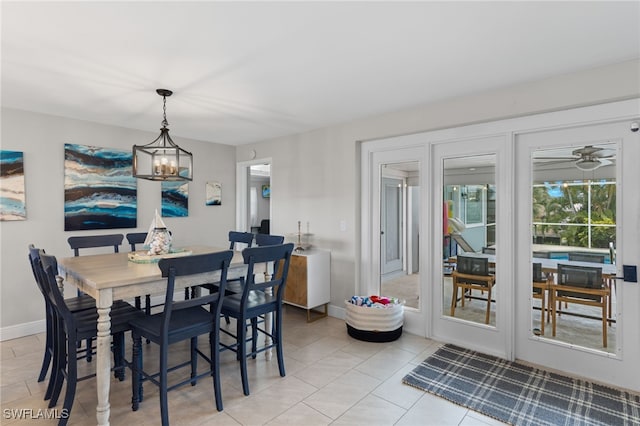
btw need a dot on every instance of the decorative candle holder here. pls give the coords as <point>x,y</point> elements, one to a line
<point>299,248</point>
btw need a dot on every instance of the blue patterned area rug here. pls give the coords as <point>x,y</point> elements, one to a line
<point>519,394</point>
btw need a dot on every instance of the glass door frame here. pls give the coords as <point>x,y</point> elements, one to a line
<point>373,155</point>
<point>537,348</point>
<point>478,336</point>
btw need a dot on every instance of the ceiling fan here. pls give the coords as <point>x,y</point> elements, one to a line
<point>586,158</point>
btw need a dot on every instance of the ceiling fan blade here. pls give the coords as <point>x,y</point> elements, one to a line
<point>557,158</point>
<point>554,162</point>
<point>586,150</point>
<point>604,155</point>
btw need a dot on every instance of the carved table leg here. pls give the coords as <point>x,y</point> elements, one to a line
<point>103,368</point>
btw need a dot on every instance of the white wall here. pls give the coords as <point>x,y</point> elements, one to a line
<point>315,175</point>
<point>42,138</point>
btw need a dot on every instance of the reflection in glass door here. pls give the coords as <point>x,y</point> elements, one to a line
<point>469,216</point>
<point>399,233</point>
<point>574,218</point>
<point>472,247</point>
<point>391,234</point>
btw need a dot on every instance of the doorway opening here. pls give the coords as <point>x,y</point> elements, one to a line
<point>399,232</point>
<point>259,202</point>
<point>253,196</point>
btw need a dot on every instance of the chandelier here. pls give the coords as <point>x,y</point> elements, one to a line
<point>162,159</point>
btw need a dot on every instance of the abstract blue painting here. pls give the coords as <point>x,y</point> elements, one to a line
<point>175,199</point>
<point>12,199</point>
<point>100,191</point>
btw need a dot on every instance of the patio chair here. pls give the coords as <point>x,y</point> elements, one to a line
<point>472,273</point>
<point>582,285</point>
<point>540,290</point>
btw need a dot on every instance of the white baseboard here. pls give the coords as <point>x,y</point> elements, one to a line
<point>35,327</point>
<point>22,330</point>
<point>336,312</point>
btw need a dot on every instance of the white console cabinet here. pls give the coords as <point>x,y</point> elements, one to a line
<point>309,281</point>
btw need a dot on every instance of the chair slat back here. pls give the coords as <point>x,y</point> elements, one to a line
<point>38,272</point>
<point>580,276</point>
<point>240,237</point>
<point>93,241</point>
<point>265,227</point>
<point>134,238</point>
<point>538,277</point>
<point>588,277</point>
<point>192,265</point>
<point>586,257</point>
<point>268,240</point>
<point>473,265</point>
<point>50,271</point>
<point>279,256</point>
<point>537,273</point>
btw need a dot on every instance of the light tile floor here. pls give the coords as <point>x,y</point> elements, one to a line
<point>331,379</point>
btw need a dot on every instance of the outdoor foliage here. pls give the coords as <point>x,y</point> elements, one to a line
<point>561,204</point>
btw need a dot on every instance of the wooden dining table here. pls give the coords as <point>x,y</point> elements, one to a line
<point>109,277</point>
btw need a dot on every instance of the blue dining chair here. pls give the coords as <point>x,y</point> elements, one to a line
<point>256,300</point>
<point>234,285</point>
<point>74,304</point>
<point>134,238</point>
<point>94,241</point>
<point>181,320</point>
<point>268,240</point>
<point>70,328</point>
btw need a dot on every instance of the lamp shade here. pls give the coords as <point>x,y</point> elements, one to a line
<point>588,164</point>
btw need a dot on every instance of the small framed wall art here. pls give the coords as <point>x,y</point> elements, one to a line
<point>213,194</point>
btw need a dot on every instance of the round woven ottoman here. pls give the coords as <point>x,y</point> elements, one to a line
<point>373,323</point>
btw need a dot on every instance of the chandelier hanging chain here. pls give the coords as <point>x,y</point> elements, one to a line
<point>165,123</point>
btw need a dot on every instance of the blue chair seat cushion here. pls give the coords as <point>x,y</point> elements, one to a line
<point>81,303</point>
<point>184,323</point>
<point>258,302</point>
<point>233,286</point>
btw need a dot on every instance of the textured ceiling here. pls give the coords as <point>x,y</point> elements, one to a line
<point>243,71</point>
